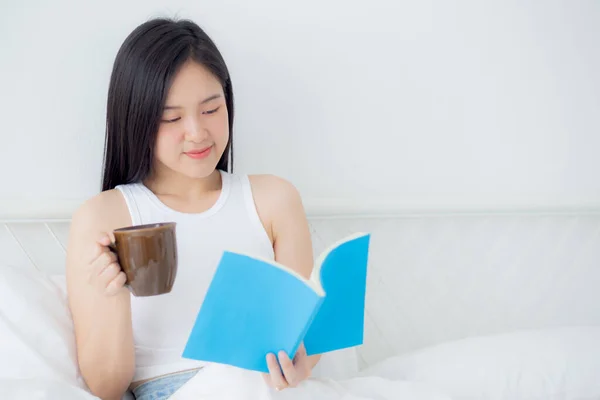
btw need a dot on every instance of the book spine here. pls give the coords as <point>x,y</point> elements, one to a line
<point>307,327</point>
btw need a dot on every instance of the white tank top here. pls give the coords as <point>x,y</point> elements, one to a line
<point>162,324</point>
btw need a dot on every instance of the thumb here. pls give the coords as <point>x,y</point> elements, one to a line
<point>106,238</point>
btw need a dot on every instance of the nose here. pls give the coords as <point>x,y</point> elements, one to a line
<point>194,131</point>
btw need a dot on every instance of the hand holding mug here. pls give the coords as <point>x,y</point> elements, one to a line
<point>105,273</point>
<point>142,258</point>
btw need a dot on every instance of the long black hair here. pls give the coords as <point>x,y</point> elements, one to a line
<point>142,74</point>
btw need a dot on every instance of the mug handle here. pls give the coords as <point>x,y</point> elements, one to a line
<point>113,247</point>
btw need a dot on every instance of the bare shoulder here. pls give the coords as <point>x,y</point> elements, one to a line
<point>105,211</point>
<point>273,189</point>
<point>99,215</point>
<point>277,201</point>
<point>275,197</point>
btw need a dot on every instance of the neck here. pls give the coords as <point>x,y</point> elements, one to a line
<point>175,184</point>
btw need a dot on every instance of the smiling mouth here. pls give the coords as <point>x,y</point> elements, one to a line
<point>199,154</point>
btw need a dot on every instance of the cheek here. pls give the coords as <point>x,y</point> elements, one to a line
<point>220,130</point>
<point>168,143</point>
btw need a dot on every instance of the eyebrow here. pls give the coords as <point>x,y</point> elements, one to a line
<point>206,100</point>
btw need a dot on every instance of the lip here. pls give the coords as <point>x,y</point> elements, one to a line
<point>199,154</point>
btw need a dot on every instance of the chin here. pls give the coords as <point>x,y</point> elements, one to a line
<point>193,169</point>
<point>199,173</point>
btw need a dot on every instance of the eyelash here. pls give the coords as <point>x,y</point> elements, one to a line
<point>178,118</point>
<point>212,111</point>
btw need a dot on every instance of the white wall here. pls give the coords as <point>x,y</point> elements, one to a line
<point>421,104</point>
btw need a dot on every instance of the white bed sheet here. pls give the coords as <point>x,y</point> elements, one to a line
<point>42,389</point>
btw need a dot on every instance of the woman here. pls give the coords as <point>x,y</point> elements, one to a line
<point>169,157</point>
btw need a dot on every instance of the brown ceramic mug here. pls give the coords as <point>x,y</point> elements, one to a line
<point>148,256</point>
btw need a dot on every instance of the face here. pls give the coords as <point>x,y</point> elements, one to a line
<point>194,127</point>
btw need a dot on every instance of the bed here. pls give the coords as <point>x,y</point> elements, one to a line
<point>482,305</point>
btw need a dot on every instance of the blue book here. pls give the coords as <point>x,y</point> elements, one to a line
<point>254,307</point>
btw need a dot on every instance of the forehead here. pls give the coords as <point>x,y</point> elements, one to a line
<point>193,81</point>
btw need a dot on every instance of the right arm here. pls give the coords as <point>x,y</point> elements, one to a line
<point>100,304</point>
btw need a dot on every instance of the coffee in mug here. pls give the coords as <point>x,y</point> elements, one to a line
<point>148,257</point>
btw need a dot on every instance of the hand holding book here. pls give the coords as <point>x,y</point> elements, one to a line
<point>284,373</point>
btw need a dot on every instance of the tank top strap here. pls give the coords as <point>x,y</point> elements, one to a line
<point>129,194</point>
<point>250,204</point>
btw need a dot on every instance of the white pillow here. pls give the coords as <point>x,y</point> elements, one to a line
<point>37,339</point>
<point>559,363</point>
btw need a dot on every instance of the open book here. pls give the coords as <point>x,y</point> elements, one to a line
<point>254,307</point>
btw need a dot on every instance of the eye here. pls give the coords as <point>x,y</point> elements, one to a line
<point>212,111</point>
<point>171,120</point>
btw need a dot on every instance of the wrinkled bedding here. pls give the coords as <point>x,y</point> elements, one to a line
<point>215,382</point>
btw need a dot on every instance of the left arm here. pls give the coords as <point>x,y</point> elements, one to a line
<point>292,241</point>
<point>280,207</point>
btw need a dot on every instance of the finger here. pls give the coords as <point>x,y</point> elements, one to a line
<point>96,251</point>
<point>99,264</point>
<point>103,260</point>
<point>111,237</point>
<point>302,363</point>
<point>289,370</point>
<point>301,352</point>
<point>116,284</point>
<point>105,239</point>
<point>267,378</point>
<point>101,246</point>
<point>108,275</point>
<point>277,379</point>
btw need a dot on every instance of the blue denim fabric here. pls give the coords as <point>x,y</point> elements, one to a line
<point>162,388</point>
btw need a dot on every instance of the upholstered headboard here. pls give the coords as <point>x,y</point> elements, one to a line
<point>432,277</point>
